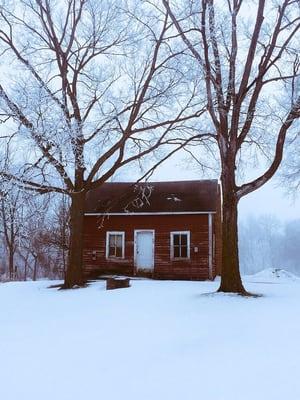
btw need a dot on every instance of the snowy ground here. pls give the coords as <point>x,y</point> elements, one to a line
<point>154,341</point>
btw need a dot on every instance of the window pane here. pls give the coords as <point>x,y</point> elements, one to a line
<point>176,240</point>
<point>184,251</point>
<point>118,251</point>
<point>118,240</point>
<point>176,251</point>
<point>184,239</point>
<point>111,240</point>
<point>111,251</point>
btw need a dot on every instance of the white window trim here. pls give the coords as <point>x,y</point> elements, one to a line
<point>188,233</point>
<point>108,233</point>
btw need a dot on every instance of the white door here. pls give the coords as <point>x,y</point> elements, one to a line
<point>144,250</point>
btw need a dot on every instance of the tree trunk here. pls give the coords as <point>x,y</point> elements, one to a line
<point>25,270</point>
<point>74,272</point>
<point>16,272</point>
<point>34,269</point>
<point>230,276</point>
<point>11,263</point>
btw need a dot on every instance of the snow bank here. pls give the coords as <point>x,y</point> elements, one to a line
<point>275,274</point>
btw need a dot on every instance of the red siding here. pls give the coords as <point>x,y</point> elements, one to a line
<point>164,268</point>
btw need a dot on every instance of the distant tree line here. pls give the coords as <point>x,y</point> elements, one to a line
<point>34,235</point>
<point>267,242</point>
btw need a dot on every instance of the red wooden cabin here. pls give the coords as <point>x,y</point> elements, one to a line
<point>166,230</point>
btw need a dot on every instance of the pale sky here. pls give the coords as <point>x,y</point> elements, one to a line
<point>271,200</point>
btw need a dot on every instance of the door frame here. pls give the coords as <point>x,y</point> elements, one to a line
<point>136,232</point>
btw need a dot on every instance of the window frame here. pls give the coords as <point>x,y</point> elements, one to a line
<point>188,233</point>
<point>108,234</point>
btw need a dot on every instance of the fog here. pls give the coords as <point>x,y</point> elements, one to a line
<point>267,242</point>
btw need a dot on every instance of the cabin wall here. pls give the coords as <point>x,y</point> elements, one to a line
<point>195,268</point>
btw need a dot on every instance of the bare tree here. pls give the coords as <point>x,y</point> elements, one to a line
<point>289,175</point>
<point>40,258</point>
<point>59,232</point>
<point>95,88</point>
<point>11,225</point>
<point>51,242</point>
<point>24,224</point>
<point>245,71</point>
<point>15,211</point>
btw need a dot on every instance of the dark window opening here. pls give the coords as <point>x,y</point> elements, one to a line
<point>180,245</point>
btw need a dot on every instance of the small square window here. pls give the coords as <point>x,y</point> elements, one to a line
<point>180,244</point>
<point>115,243</point>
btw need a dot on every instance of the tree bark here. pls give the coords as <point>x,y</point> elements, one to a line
<point>25,270</point>
<point>231,281</point>
<point>74,272</point>
<point>11,263</point>
<point>35,269</point>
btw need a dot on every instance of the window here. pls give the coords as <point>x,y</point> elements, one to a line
<point>115,244</point>
<point>180,244</point>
